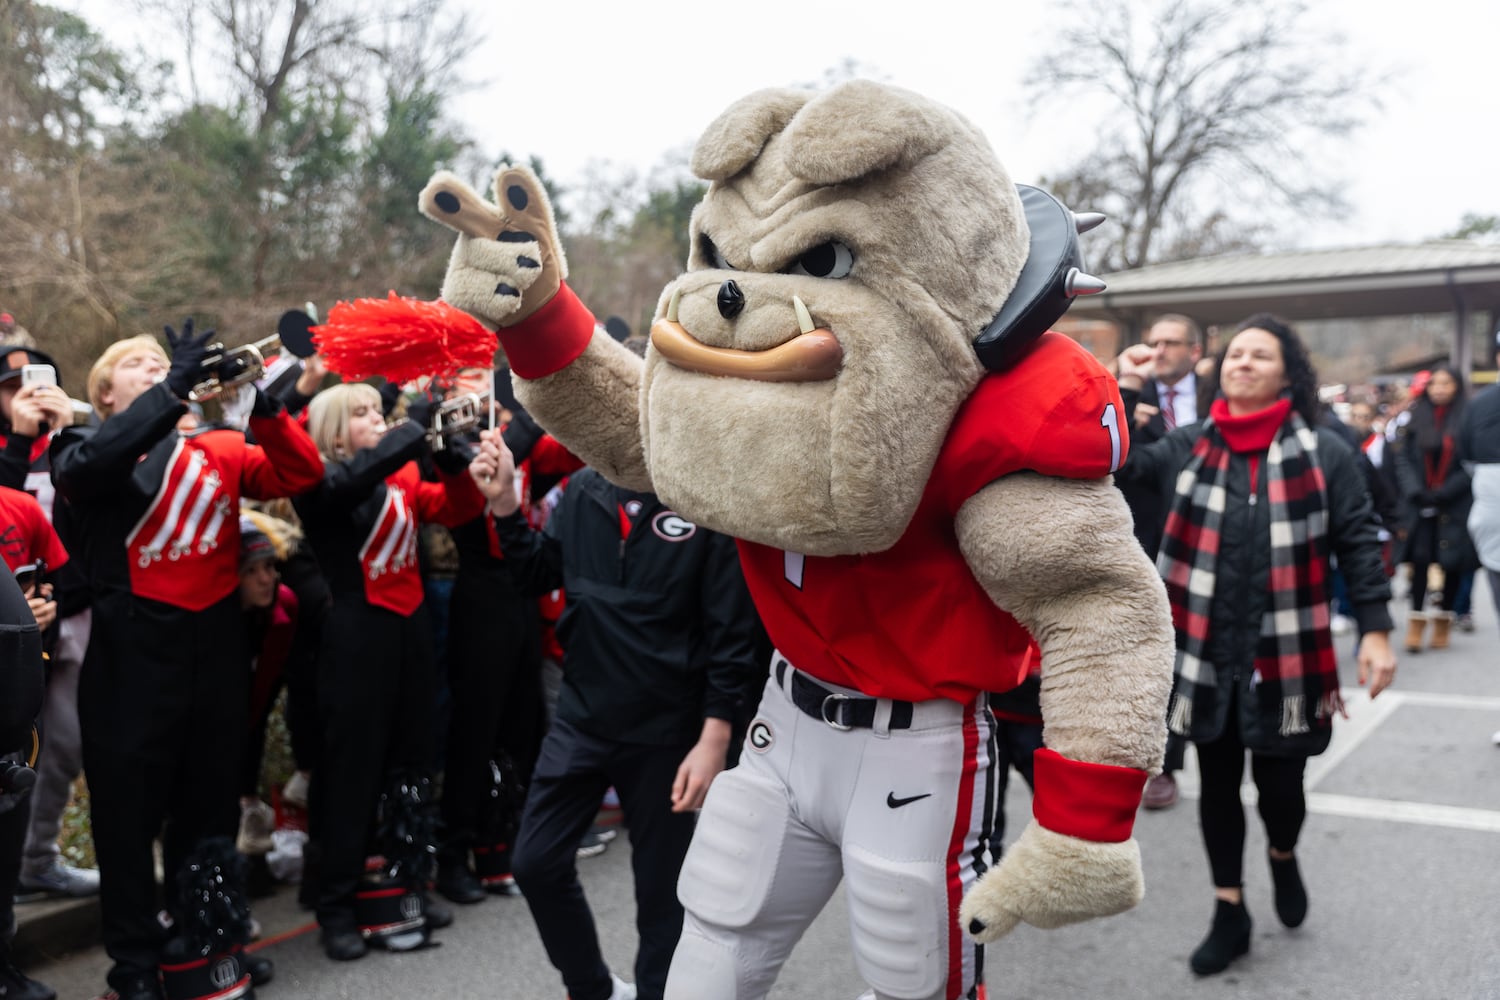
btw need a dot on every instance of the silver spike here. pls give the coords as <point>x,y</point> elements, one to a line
<point>1078,283</point>
<point>1084,221</point>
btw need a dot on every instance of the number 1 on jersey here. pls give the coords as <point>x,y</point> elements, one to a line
<point>1110,421</point>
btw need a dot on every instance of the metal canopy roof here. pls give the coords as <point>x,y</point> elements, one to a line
<point>1446,276</point>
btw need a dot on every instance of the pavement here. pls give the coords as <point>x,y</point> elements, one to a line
<point>1401,855</point>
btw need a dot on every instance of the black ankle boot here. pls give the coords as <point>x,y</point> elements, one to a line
<point>1228,939</point>
<point>1291,897</point>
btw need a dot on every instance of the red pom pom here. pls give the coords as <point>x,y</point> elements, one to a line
<point>402,339</point>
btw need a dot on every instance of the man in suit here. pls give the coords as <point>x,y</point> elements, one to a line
<point>1168,400</point>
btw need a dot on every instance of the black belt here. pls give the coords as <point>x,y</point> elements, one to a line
<point>841,711</point>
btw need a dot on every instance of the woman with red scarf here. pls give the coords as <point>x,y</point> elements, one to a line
<point>1258,497</point>
<point>1438,498</point>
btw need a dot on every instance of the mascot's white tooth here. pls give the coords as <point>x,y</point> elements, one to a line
<point>804,318</point>
<point>1084,221</point>
<point>672,305</point>
<point>1078,283</point>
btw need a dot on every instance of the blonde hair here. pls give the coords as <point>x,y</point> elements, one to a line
<point>101,375</point>
<point>328,416</point>
<point>284,535</point>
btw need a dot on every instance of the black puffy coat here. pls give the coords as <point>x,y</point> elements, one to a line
<point>1452,497</point>
<point>1242,582</point>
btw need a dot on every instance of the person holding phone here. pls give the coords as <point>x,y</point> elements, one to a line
<point>32,410</point>
<point>31,550</point>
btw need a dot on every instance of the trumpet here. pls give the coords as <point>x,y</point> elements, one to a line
<point>229,369</point>
<point>457,415</point>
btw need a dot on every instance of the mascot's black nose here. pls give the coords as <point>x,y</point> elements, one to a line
<point>731,300</point>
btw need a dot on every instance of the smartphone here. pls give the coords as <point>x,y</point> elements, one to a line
<point>38,375</point>
<point>31,575</point>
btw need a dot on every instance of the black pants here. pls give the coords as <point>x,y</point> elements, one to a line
<point>571,775</point>
<point>13,824</point>
<point>375,691</point>
<point>495,678</point>
<point>1282,805</point>
<point>162,704</point>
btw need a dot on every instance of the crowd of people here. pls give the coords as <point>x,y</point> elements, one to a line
<point>454,736</point>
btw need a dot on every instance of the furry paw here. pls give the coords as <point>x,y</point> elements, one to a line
<point>508,261</point>
<point>1050,880</point>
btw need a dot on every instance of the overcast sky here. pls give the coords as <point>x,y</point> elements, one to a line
<point>629,81</point>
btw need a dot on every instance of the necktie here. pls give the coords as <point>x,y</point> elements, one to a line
<point>1168,409</point>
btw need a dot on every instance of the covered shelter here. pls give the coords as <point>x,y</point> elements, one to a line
<point>1455,277</point>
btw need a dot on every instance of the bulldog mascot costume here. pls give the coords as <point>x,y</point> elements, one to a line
<point>854,378</point>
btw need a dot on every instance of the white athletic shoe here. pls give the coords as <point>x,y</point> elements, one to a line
<point>622,990</point>
<point>1496,738</point>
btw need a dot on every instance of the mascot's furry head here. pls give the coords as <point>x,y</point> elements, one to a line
<point>860,257</point>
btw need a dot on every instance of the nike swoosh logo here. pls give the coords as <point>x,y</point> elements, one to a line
<point>896,803</point>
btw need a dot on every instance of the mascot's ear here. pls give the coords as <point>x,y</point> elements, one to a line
<point>860,127</point>
<point>737,136</point>
<point>1050,280</point>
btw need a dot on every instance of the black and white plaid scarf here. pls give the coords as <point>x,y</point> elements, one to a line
<point>1295,666</point>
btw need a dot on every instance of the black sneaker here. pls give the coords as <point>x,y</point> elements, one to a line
<point>439,914</point>
<point>344,944</point>
<point>261,969</point>
<point>458,885</point>
<point>16,985</point>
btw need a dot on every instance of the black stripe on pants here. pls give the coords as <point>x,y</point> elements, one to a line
<point>1282,805</point>
<point>570,777</point>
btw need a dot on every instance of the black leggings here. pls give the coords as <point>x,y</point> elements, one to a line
<point>1282,805</point>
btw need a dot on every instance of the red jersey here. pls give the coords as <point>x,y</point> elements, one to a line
<point>185,548</point>
<point>25,533</point>
<point>912,622</point>
<point>388,556</point>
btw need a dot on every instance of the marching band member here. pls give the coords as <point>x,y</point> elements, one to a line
<point>154,522</point>
<point>377,669</point>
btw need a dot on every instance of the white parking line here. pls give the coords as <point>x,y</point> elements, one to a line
<point>1365,717</point>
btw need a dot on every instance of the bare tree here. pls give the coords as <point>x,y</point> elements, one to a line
<point>1215,112</point>
<point>306,80</point>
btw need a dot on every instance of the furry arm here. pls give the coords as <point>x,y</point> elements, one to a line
<point>573,378</point>
<point>592,403</point>
<point>1059,555</point>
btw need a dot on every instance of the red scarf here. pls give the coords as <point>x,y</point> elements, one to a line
<point>1295,680</point>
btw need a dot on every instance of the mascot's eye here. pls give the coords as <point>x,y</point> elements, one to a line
<point>713,257</point>
<point>826,260</point>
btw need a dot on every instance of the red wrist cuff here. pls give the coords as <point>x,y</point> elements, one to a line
<point>1095,802</point>
<point>551,338</point>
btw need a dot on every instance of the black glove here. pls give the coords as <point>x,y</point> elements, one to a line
<point>455,456</point>
<point>1425,498</point>
<point>188,353</point>
<point>420,411</point>
<point>390,394</point>
<point>265,405</point>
